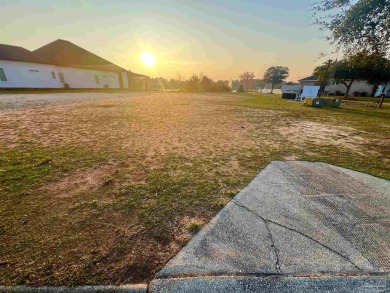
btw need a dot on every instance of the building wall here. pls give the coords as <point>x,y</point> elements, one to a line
<point>357,86</point>
<point>125,80</point>
<point>35,75</point>
<point>29,75</point>
<point>85,78</point>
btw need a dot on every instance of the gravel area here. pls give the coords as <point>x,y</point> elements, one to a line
<point>12,102</point>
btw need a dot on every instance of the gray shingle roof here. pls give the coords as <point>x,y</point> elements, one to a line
<point>310,78</point>
<point>15,53</point>
<point>65,53</point>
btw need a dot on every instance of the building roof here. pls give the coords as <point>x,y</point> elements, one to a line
<point>133,74</point>
<point>65,53</point>
<point>309,78</point>
<point>62,53</point>
<point>15,53</point>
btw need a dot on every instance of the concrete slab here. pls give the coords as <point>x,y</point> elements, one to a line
<point>362,284</point>
<point>296,219</point>
<point>235,241</point>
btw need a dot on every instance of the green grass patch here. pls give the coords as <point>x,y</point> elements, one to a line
<point>24,167</point>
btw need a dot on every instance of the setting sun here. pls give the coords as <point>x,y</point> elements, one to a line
<point>148,59</point>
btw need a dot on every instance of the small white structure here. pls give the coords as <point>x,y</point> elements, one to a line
<point>291,91</point>
<point>309,92</point>
<point>57,65</point>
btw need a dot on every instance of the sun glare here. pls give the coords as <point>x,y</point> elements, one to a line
<point>148,59</point>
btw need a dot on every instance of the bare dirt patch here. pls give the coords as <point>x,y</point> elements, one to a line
<point>151,125</point>
<point>302,132</point>
<point>82,181</point>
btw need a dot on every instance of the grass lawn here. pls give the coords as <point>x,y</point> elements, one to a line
<point>107,191</point>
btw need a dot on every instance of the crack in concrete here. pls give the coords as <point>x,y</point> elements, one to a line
<point>274,250</point>
<point>299,232</point>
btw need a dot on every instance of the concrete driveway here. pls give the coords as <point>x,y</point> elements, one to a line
<point>297,227</point>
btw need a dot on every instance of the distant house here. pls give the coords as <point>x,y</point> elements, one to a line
<point>57,65</point>
<point>310,80</point>
<point>358,86</point>
<point>361,87</point>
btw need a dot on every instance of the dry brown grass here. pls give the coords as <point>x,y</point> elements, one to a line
<point>103,192</point>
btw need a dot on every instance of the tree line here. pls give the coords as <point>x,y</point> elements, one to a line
<point>196,83</point>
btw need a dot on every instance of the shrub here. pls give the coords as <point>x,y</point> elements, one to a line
<point>355,93</point>
<point>240,89</point>
<point>66,85</point>
<point>363,94</point>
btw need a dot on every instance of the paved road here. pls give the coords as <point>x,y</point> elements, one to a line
<point>294,219</point>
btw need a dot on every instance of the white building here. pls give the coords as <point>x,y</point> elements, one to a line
<point>59,64</point>
<point>291,91</point>
<point>358,86</point>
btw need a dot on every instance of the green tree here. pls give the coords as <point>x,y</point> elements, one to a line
<point>356,25</point>
<point>206,84</point>
<point>192,84</point>
<point>375,67</point>
<point>275,75</point>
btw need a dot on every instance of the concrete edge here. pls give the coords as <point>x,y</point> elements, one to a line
<point>136,288</point>
<point>280,284</point>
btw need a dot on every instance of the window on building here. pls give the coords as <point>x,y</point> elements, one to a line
<point>34,70</point>
<point>97,79</point>
<point>3,77</point>
<point>61,77</point>
<point>53,75</point>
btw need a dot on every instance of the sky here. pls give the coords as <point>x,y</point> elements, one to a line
<point>220,39</point>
